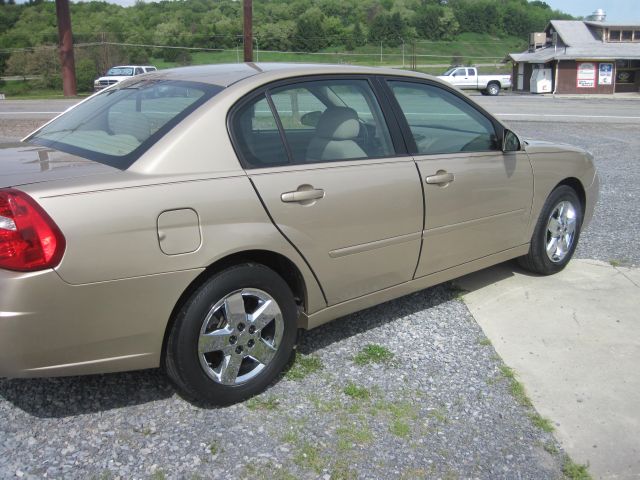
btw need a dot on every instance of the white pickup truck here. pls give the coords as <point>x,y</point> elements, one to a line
<point>467,78</point>
<point>119,73</point>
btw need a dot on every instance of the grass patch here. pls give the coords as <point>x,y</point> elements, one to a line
<point>400,428</point>
<point>373,353</point>
<point>260,403</point>
<point>615,263</point>
<point>541,422</point>
<point>304,366</point>
<point>575,471</point>
<point>341,471</point>
<point>439,414</point>
<point>515,387</point>
<point>348,437</point>
<point>309,457</point>
<point>484,341</point>
<point>214,448</point>
<point>354,391</point>
<point>290,437</point>
<point>551,448</point>
<point>158,475</point>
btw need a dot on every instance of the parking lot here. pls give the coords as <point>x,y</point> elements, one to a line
<point>431,400</point>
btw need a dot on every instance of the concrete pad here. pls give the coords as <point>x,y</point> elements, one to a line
<point>574,341</point>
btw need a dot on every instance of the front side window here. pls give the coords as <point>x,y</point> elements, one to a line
<point>441,122</point>
<point>321,121</point>
<point>116,126</point>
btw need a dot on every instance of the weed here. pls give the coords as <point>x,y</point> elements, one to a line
<point>158,475</point>
<point>290,437</point>
<point>214,448</point>
<point>575,471</point>
<point>400,428</point>
<point>373,354</point>
<point>541,422</point>
<point>515,387</point>
<point>308,456</point>
<point>260,403</point>
<point>439,414</point>
<point>341,471</point>
<point>304,366</point>
<point>615,263</point>
<point>354,391</point>
<point>348,436</point>
<point>551,448</point>
<point>484,341</point>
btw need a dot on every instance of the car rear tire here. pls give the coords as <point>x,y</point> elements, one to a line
<point>493,89</point>
<point>556,233</point>
<point>233,335</point>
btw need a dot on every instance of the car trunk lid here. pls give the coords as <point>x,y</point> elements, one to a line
<point>24,163</point>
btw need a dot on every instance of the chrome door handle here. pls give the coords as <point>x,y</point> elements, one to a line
<point>440,178</point>
<point>303,195</point>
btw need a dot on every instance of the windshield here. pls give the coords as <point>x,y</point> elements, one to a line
<point>449,72</point>
<point>120,72</point>
<point>118,125</point>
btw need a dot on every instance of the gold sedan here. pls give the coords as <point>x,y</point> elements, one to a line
<point>194,219</point>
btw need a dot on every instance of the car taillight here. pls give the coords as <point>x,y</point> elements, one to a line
<point>29,238</point>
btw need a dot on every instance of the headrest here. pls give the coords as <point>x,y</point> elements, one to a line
<point>338,123</point>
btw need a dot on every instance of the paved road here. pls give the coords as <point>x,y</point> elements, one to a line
<point>541,108</point>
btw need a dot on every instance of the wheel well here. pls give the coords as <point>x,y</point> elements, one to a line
<point>494,82</point>
<point>276,262</point>
<point>578,188</point>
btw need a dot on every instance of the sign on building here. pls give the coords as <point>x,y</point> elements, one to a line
<point>605,74</point>
<point>586,75</point>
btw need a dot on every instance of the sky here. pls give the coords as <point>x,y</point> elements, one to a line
<point>616,10</point>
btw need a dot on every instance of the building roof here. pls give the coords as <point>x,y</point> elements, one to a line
<point>579,42</point>
<point>574,33</point>
<point>594,23</point>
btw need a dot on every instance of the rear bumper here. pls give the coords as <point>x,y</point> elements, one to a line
<point>51,328</point>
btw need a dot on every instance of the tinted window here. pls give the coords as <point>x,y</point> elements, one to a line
<point>139,71</point>
<point>441,122</point>
<point>257,136</point>
<point>332,120</point>
<point>116,126</point>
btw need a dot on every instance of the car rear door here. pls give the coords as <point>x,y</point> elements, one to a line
<point>477,198</point>
<point>332,175</point>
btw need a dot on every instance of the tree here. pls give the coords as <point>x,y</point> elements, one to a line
<point>309,35</point>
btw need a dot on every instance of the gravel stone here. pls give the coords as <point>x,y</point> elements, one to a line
<point>440,408</point>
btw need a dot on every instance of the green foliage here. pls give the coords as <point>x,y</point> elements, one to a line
<point>86,73</point>
<point>284,25</point>
<point>354,391</point>
<point>575,471</point>
<point>303,367</point>
<point>373,354</point>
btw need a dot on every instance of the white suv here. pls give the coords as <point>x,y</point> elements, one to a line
<point>116,74</point>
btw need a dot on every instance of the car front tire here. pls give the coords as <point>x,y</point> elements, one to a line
<point>493,89</point>
<point>556,234</point>
<point>233,336</point>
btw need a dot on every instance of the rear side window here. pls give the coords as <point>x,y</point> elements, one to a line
<point>116,126</point>
<point>441,122</point>
<point>321,121</point>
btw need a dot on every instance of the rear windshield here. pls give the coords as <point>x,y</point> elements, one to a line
<point>118,125</point>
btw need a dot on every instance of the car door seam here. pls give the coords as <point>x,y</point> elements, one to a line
<point>288,240</point>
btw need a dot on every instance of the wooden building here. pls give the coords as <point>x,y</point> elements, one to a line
<point>581,56</point>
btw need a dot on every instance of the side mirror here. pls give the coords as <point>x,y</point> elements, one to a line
<point>510,142</point>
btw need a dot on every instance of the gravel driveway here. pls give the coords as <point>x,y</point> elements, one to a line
<point>428,398</point>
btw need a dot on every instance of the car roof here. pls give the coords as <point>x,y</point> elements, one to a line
<point>225,75</point>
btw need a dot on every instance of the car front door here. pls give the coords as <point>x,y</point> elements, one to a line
<point>328,170</point>
<point>477,198</point>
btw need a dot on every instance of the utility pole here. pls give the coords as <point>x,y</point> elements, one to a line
<point>65,39</point>
<point>248,30</point>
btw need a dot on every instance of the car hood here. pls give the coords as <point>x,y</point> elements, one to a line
<point>114,77</point>
<point>23,163</point>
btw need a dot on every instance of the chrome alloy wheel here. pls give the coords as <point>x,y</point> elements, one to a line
<point>561,231</point>
<point>240,336</point>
